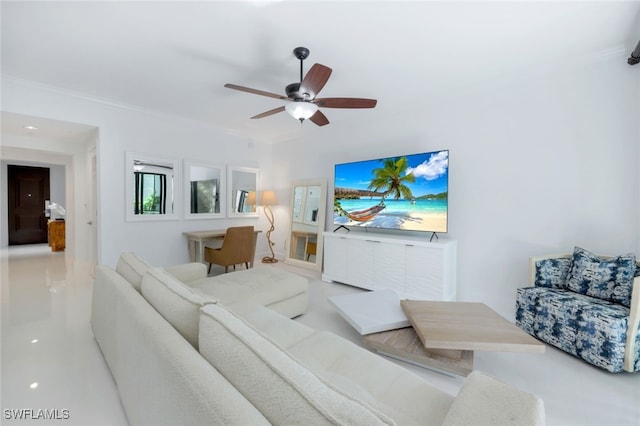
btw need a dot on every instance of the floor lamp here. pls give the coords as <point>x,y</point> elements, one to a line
<point>268,199</point>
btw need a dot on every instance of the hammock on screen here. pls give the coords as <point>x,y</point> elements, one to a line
<point>361,215</point>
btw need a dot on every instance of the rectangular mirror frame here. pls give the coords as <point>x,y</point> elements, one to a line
<point>319,222</point>
<point>222,190</point>
<point>231,207</point>
<point>130,160</point>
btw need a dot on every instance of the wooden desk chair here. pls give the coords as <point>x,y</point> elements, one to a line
<point>311,249</point>
<point>237,248</point>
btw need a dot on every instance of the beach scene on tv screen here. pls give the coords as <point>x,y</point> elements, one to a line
<point>406,193</point>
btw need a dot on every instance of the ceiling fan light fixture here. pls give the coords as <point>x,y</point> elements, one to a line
<point>301,110</point>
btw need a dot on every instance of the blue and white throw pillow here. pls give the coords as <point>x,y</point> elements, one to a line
<point>552,272</point>
<point>607,279</point>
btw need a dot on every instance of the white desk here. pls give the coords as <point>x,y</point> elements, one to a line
<point>197,240</point>
<point>371,311</point>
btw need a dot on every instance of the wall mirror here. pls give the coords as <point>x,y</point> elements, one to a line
<point>204,187</point>
<point>243,189</point>
<point>308,207</point>
<point>151,187</point>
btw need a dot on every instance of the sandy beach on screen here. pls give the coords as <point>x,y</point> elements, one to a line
<point>414,221</point>
<point>427,222</point>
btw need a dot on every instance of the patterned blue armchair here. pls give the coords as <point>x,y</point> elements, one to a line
<point>586,305</point>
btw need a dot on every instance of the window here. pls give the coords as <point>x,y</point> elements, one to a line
<point>150,193</point>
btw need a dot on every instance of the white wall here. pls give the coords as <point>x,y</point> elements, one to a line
<point>124,129</point>
<point>538,164</point>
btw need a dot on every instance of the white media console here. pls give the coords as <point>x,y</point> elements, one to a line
<point>415,269</point>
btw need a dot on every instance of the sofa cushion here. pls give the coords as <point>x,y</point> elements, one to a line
<point>552,272</point>
<point>277,327</point>
<point>390,388</point>
<point>175,302</point>
<point>587,327</point>
<point>484,400</point>
<point>552,314</point>
<point>132,268</point>
<point>602,335</point>
<point>282,389</point>
<point>188,271</point>
<point>265,286</point>
<point>608,279</point>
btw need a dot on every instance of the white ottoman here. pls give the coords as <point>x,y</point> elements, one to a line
<point>282,291</point>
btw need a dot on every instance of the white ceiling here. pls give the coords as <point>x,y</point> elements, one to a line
<point>43,128</point>
<point>176,56</point>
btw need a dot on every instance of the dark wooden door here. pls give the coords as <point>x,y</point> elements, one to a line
<point>28,188</point>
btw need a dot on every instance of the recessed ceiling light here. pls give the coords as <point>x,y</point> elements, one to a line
<point>29,127</point>
<point>33,385</point>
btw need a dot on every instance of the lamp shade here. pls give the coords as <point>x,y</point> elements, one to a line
<point>301,110</point>
<point>268,198</point>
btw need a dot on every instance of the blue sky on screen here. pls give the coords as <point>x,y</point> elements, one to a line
<point>431,170</point>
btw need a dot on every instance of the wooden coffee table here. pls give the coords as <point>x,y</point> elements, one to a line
<point>445,334</point>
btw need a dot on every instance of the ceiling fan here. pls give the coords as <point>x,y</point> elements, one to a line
<point>302,96</point>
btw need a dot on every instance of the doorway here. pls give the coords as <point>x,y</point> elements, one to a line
<point>28,190</point>
<point>69,151</point>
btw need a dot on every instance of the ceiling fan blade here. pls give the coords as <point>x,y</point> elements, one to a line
<point>270,112</point>
<point>254,91</point>
<point>345,102</point>
<point>315,80</point>
<point>319,118</point>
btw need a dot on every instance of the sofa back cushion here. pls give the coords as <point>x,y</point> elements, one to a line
<point>604,278</point>
<point>176,302</point>
<point>132,268</point>
<point>280,387</point>
<point>268,287</point>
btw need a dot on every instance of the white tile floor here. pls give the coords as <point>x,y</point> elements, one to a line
<point>47,339</point>
<point>50,359</point>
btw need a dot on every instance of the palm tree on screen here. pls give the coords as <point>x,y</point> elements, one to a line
<point>392,178</point>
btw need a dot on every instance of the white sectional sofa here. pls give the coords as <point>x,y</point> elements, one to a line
<point>181,356</point>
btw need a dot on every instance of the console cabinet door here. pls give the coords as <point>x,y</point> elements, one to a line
<point>376,265</point>
<point>388,266</point>
<point>423,272</point>
<point>360,263</point>
<point>335,259</point>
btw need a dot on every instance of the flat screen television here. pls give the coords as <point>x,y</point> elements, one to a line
<point>408,193</point>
